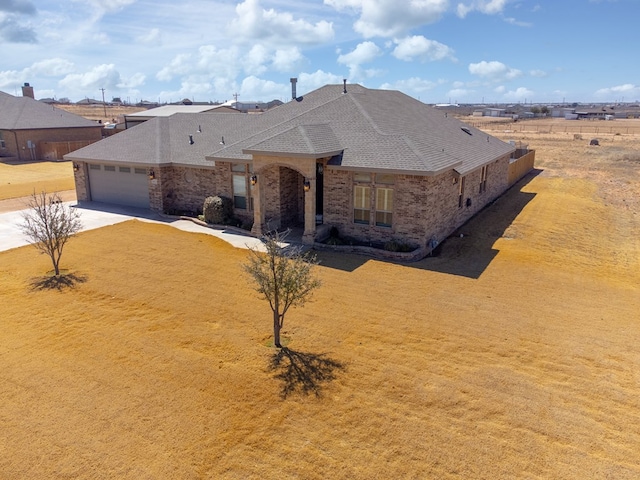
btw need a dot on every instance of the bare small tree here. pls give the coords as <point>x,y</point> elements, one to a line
<point>283,276</point>
<point>49,224</point>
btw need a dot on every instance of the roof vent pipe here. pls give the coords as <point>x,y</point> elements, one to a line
<point>293,88</point>
<point>190,139</point>
<point>344,81</point>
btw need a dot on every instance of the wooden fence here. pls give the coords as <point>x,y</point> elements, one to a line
<point>519,167</point>
<point>56,150</point>
<point>566,126</point>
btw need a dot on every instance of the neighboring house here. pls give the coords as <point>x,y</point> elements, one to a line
<point>32,130</point>
<point>133,119</point>
<point>375,164</point>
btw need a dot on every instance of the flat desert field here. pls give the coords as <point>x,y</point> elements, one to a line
<point>106,114</point>
<point>20,179</point>
<point>512,354</point>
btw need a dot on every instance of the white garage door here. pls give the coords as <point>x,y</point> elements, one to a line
<point>119,184</point>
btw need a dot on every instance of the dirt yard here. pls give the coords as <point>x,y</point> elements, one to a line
<point>106,114</point>
<point>20,179</point>
<point>513,354</point>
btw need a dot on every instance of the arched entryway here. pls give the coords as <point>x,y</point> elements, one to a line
<point>284,196</point>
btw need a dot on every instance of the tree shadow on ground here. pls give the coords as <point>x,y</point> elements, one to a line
<point>303,372</point>
<point>57,282</point>
<point>469,251</point>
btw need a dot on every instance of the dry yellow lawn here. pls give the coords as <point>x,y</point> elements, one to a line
<point>20,179</point>
<point>514,354</point>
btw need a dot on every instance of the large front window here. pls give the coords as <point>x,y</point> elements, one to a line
<point>240,186</point>
<point>379,208</point>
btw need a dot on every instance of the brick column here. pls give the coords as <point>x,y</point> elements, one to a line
<point>309,235</point>
<point>258,206</point>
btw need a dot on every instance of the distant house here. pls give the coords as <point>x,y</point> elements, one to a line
<point>377,165</point>
<point>32,130</point>
<point>137,118</point>
<point>89,101</point>
<point>494,112</point>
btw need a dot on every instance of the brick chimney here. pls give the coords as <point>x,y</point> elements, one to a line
<point>27,91</point>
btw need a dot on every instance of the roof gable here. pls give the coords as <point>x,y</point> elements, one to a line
<point>25,113</point>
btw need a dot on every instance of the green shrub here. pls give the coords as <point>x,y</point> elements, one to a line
<point>217,209</point>
<point>398,246</point>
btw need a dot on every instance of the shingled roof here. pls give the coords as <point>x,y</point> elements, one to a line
<point>25,113</point>
<point>363,129</point>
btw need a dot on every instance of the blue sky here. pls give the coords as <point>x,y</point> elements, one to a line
<point>440,51</point>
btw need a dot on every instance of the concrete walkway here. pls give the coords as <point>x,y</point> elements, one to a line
<point>97,215</point>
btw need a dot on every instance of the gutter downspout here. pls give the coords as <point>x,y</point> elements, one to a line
<point>17,146</point>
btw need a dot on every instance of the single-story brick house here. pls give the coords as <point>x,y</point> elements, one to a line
<point>376,164</point>
<point>32,130</point>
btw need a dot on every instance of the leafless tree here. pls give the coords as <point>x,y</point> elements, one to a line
<point>49,224</point>
<point>283,276</point>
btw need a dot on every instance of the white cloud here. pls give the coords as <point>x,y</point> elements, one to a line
<point>254,88</point>
<point>488,7</point>
<point>152,37</point>
<point>52,67</point>
<point>364,52</point>
<point>103,76</point>
<point>254,61</point>
<point>517,23</point>
<point>496,71</point>
<point>500,89</point>
<point>519,94</point>
<point>101,38</point>
<point>208,62</point>
<point>260,59</point>
<point>287,59</point>
<point>388,18</point>
<point>253,23</point>
<point>458,94</point>
<point>136,80</point>
<point>538,73</point>
<point>411,85</point>
<point>421,48</point>
<point>311,81</point>
<point>628,90</point>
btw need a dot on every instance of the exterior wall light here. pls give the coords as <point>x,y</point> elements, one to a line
<point>76,167</point>
<point>253,180</point>
<point>152,175</point>
<point>307,185</point>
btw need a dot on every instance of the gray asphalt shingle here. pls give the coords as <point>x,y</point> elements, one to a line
<point>25,113</point>
<point>374,129</point>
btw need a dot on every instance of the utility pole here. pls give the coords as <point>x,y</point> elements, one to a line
<point>104,105</point>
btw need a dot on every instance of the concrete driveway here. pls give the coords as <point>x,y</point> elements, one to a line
<point>97,215</point>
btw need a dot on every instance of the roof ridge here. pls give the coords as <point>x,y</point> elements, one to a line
<point>273,127</point>
<point>366,115</point>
